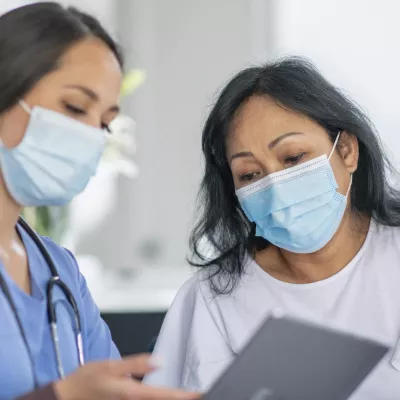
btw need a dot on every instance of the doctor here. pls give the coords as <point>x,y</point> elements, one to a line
<point>300,217</point>
<point>60,77</point>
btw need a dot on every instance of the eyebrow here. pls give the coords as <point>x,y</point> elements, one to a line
<point>274,143</point>
<point>242,154</point>
<point>92,95</point>
<point>279,139</point>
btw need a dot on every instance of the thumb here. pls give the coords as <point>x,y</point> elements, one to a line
<point>137,365</point>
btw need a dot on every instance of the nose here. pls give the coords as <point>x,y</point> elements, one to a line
<point>268,162</point>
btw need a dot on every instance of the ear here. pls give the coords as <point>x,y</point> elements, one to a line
<point>349,151</point>
<point>13,123</point>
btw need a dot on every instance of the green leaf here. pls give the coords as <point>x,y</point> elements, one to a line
<point>132,80</point>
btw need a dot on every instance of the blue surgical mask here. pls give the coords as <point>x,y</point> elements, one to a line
<point>54,161</point>
<point>297,209</point>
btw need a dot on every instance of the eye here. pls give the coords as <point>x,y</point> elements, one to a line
<point>74,110</point>
<point>79,111</point>
<point>293,160</point>
<point>248,177</point>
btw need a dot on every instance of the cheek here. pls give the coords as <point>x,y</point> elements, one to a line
<point>13,126</point>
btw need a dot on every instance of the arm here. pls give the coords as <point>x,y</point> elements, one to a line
<point>191,347</point>
<point>172,344</point>
<point>99,343</point>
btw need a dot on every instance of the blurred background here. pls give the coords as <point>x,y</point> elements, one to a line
<point>130,228</point>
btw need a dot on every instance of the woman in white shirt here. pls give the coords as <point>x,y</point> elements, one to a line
<point>299,214</point>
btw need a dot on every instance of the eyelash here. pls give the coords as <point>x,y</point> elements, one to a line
<point>77,111</point>
<point>294,159</point>
<point>247,177</point>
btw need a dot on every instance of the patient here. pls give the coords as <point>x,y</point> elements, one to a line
<point>299,215</point>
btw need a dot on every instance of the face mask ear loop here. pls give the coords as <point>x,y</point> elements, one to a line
<point>334,145</point>
<point>350,184</point>
<point>25,106</point>
<point>330,155</point>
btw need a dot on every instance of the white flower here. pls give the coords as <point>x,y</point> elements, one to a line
<point>121,146</point>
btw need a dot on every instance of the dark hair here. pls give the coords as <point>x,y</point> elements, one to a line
<point>33,38</point>
<point>297,85</point>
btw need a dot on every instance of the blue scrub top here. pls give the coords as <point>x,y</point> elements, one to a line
<point>15,370</point>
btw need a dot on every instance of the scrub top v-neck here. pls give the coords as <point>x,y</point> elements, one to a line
<point>16,376</point>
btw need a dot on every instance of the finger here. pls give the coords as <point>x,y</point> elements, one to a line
<point>151,393</point>
<point>137,365</point>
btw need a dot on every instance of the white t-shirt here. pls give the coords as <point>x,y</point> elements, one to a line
<point>202,333</point>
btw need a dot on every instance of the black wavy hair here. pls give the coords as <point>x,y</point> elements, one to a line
<point>32,40</point>
<point>297,85</point>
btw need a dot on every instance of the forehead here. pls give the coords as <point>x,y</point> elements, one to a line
<point>261,117</point>
<point>264,113</point>
<point>89,62</point>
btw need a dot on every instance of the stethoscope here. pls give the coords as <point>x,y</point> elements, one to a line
<point>53,282</point>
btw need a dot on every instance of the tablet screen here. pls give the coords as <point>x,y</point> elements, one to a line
<point>288,359</point>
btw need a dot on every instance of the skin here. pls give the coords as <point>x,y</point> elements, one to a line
<point>89,64</point>
<point>266,138</point>
<point>86,87</point>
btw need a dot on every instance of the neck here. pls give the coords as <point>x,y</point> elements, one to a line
<point>9,214</point>
<point>307,268</point>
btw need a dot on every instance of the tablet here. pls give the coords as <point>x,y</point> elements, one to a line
<point>289,359</point>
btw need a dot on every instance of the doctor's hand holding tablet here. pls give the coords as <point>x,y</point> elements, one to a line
<point>111,380</point>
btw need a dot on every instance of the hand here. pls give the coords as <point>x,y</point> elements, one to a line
<point>111,380</point>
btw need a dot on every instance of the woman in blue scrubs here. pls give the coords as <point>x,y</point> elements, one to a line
<point>60,78</point>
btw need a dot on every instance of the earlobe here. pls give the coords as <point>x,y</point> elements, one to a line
<point>349,151</point>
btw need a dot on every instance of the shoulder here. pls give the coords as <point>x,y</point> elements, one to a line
<point>384,235</point>
<point>63,259</point>
<point>190,342</point>
<point>382,247</point>
<point>188,297</point>
<point>197,303</point>
<point>198,290</point>
<point>205,280</point>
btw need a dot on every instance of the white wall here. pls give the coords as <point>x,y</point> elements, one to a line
<point>102,9</point>
<point>189,49</point>
<point>356,45</point>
